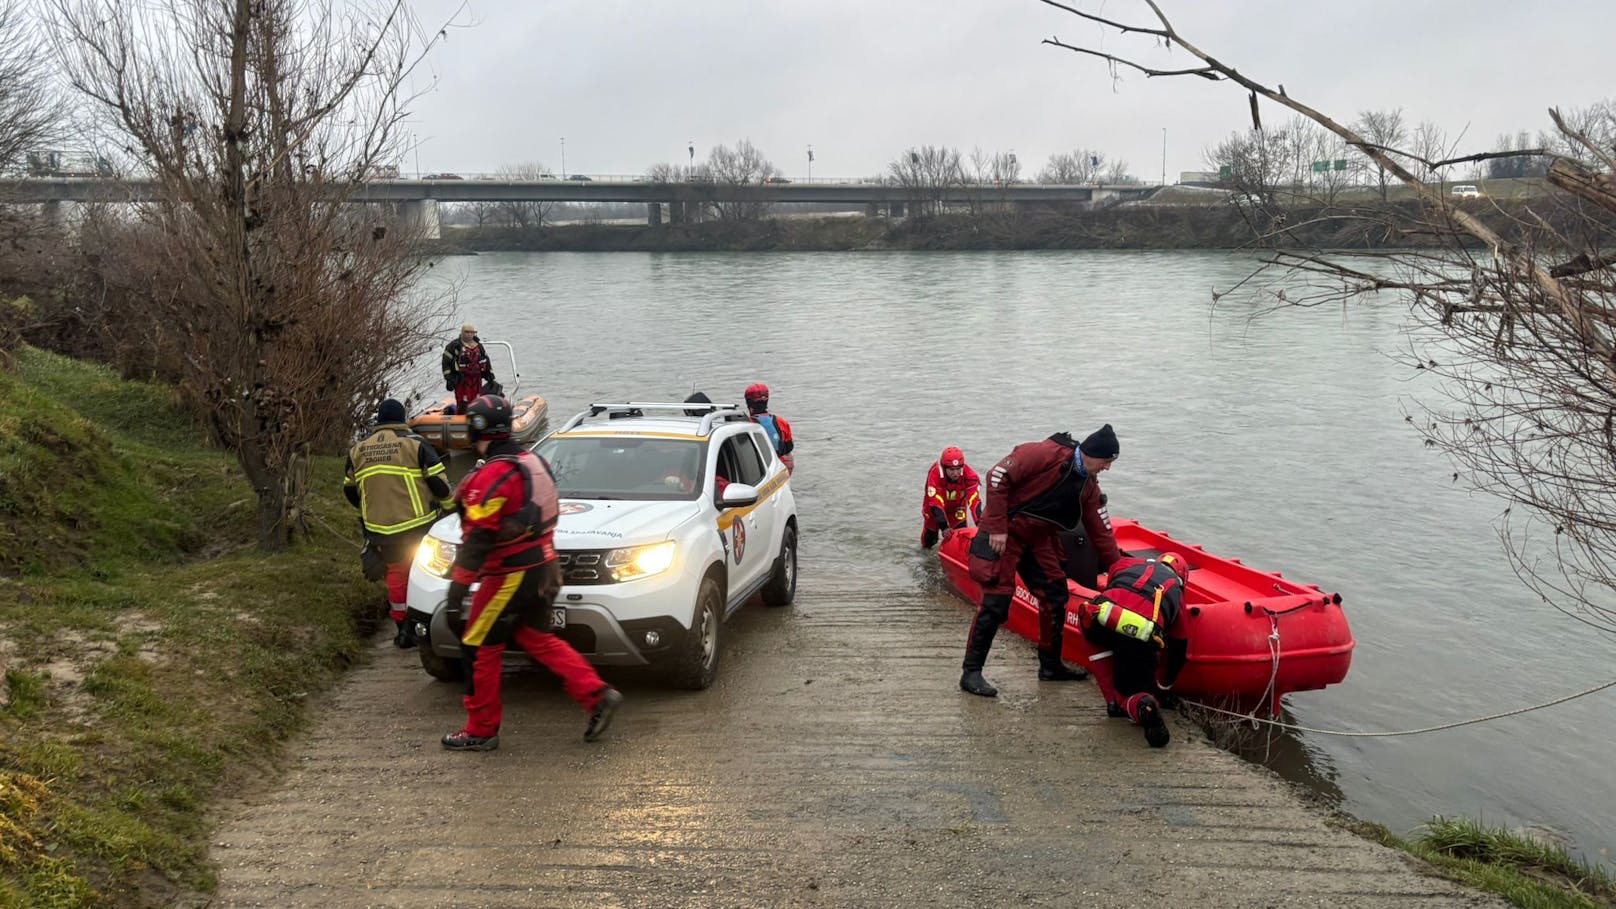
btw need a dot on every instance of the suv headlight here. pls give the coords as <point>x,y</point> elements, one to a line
<point>435,556</point>
<point>635,562</point>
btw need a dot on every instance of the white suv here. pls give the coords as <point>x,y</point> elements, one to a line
<point>653,557</point>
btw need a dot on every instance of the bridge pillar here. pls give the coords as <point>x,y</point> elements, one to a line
<point>54,213</point>
<point>895,209</point>
<point>653,214</point>
<point>422,214</point>
<point>872,210</point>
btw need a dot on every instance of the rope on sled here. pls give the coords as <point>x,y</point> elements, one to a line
<point>1424,729</point>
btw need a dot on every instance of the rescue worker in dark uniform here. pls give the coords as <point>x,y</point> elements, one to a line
<point>776,428</point>
<point>953,490</point>
<point>1037,491</point>
<point>1130,624</point>
<point>466,367</point>
<point>397,482</point>
<point>508,511</point>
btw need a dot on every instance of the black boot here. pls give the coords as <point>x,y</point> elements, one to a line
<point>405,638</point>
<point>1051,669</point>
<point>971,680</point>
<point>1150,717</point>
<point>994,610</point>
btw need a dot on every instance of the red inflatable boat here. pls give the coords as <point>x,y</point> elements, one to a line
<point>1254,636</point>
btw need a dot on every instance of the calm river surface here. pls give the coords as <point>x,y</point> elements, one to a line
<point>1278,438</point>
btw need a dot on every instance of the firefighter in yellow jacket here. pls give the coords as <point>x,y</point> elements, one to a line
<point>397,482</point>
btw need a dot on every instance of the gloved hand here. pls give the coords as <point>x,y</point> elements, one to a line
<point>457,595</point>
<point>449,385</point>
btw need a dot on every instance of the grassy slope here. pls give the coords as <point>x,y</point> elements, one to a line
<point>154,659</point>
<point>1528,873</point>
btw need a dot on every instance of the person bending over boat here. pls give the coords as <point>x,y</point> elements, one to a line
<point>953,490</point>
<point>1038,490</point>
<point>397,482</point>
<point>777,429</point>
<point>466,367</point>
<point>1130,623</point>
<point>508,512</point>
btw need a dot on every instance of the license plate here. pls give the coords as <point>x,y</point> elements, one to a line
<point>558,618</point>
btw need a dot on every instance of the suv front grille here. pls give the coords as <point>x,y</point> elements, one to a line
<point>584,566</point>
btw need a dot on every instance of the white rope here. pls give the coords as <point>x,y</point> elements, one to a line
<point>1480,719</point>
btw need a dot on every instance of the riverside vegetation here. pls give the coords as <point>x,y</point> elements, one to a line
<point>155,661</point>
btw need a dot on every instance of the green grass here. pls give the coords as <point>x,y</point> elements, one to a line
<point>1526,872</point>
<point>155,660</point>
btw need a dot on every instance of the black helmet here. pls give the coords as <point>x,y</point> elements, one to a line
<point>488,417</point>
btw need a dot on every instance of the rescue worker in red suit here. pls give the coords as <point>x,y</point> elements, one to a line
<point>508,511</point>
<point>1130,624</point>
<point>776,428</point>
<point>953,490</point>
<point>1037,491</point>
<point>395,479</point>
<point>466,367</point>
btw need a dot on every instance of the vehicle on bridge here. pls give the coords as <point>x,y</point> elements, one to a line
<point>673,516</point>
<point>48,163</point>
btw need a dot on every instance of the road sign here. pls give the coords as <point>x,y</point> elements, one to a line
<point>1341,164</point>
<point>1320,167</point>
<point>1225,172</point>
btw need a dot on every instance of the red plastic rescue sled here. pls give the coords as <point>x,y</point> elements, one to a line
<point>1254,636</point>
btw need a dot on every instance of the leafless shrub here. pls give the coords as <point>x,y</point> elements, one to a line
<point>740,167</point>
<point>287,305</point>
<point>523,215</point>
<point>927,172</point>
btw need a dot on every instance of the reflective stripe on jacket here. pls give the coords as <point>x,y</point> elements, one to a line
<point>392,470</point>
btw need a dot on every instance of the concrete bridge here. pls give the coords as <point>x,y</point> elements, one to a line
<point>419,198</point>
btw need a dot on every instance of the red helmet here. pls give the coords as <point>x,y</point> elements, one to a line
<point>757,391</point>
<point>952,457</point>
<point>1175,561</point>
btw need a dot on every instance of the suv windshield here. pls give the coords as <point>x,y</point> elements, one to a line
<point>624,467</point>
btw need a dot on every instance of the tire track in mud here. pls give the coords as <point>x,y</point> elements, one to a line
<point>834,763</point>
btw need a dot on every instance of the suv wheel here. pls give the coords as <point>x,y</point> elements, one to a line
<point>696,665</point>
<point>782,586</point>
<point>440,668</point>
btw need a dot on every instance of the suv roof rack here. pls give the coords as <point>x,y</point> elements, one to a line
<point>711,414</point>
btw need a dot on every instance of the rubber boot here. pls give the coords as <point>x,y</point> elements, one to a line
<point>1051,669</point>
<point>405,638</point>
<point>990,615</point>
<point>971,681</point>
<point>1150,717</point>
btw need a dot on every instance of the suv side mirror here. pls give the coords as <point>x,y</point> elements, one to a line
<point>738,495</point>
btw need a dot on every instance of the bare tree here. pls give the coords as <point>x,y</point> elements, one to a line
<point>1429,143</point>
<point>663,172</point>
<point>1256,162</point>
<point>1385,129</point>
<point>31,115</point>
<point>1514,160</point>
<point>523,215</point>
<point>928,172</point>
<point>1523,307</point>
<point>737,169</point>
<point>1085,165</point>
<point>259,120</point>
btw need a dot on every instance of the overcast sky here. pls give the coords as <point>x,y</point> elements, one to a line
<point>629,82</point>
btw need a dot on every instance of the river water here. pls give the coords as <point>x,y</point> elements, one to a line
<point>1274,436</point>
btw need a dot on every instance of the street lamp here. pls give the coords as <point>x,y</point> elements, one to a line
<point>810,162</point>
<point>563,157</point>
<point>1164,156</point>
